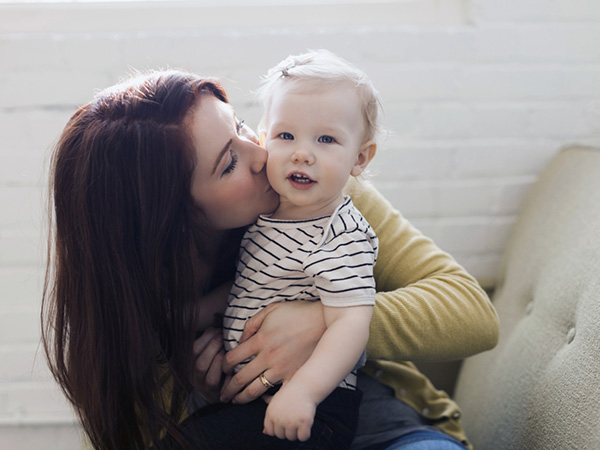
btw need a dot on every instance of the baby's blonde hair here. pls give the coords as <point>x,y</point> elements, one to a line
<point>320,69</point>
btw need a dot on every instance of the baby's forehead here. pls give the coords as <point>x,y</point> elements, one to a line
<point>318,97</point>
<point>316,85</point>
<point>320,93</point>
<point>321,111</point>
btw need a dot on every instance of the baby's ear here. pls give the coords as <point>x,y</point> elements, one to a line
<point>367,151</point>
<point>262,138</point>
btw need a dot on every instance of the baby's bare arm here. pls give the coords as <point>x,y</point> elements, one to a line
<point>291,412</point>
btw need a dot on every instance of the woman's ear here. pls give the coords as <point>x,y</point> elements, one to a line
<point>367,151</point>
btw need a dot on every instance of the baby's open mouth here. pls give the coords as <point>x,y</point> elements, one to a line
<point>299,178</point>
<point>300,181</point>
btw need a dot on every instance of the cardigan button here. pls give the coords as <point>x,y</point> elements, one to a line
<point>378,373</point>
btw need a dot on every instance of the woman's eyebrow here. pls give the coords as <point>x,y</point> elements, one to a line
<point>220,155</point>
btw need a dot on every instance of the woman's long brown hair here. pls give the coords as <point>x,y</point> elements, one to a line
<point>127,260</point>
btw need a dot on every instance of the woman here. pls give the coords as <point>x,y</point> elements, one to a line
<point>151,184</point>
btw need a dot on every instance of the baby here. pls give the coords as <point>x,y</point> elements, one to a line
<point>318,128</point>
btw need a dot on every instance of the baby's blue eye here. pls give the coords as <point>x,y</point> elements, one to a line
<point>326,140</point>
<point>286,136</point>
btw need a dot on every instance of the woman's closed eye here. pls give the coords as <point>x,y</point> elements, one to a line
<point>326,139</point>
<point>231,166</point>
<point>239,125</point>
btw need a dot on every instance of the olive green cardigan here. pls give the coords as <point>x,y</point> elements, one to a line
<point>428,308</point>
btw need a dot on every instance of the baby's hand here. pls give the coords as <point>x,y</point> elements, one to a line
<point>290,414</point>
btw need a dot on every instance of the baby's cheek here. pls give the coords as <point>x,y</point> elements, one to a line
<point>271,169</point>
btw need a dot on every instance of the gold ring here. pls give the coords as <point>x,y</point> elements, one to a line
<point>264,381</point>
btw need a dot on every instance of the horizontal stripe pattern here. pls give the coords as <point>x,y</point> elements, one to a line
<point>329,259</point>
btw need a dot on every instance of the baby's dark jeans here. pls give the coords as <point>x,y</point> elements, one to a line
<point>231,427</point>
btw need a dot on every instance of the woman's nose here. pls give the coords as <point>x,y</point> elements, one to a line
<point>258,157</point>
<point>248,133</point>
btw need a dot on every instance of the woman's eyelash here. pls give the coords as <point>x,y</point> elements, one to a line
<point>239,125</point>
<point>232,164</point>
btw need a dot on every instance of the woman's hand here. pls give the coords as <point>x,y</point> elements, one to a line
<point>209,355</point>
<point>281,338</point>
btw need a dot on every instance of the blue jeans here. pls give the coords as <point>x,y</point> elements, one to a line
<point>424,440</point>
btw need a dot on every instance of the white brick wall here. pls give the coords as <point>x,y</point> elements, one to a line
<point>478,95</point>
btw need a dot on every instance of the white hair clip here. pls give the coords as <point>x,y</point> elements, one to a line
<point>285,72</point>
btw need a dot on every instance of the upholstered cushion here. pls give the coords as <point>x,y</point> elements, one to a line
<point>540,387</point>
